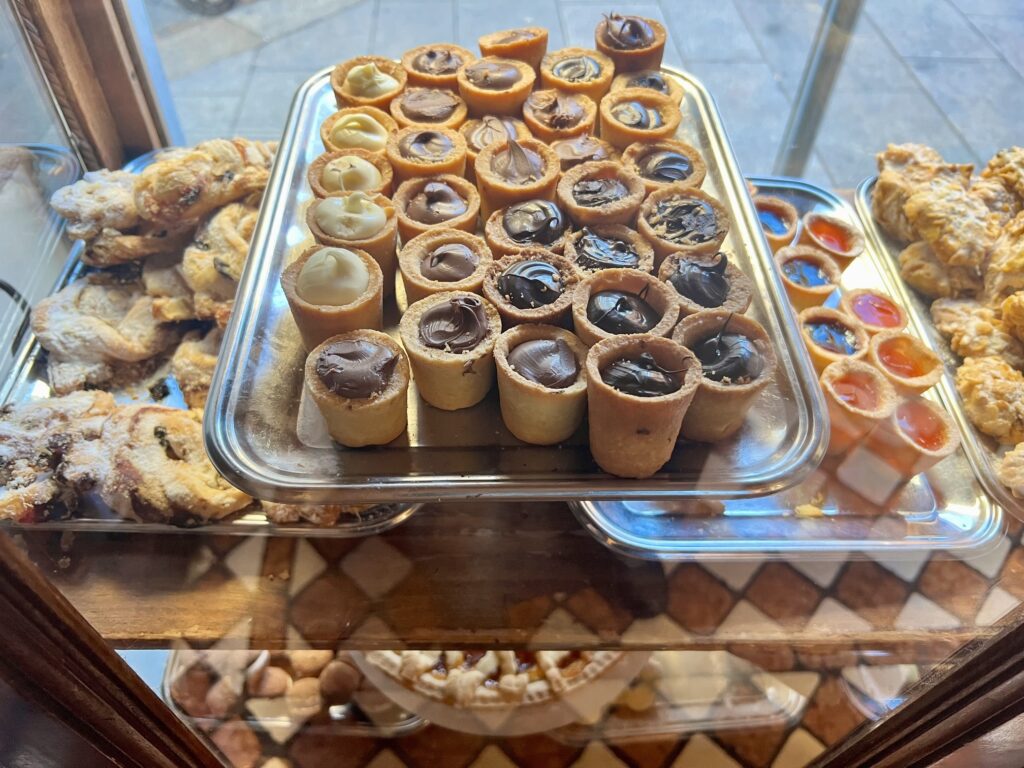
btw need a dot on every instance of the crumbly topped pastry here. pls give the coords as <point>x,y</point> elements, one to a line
<point>974,330</point>
<point>1007,165</point>
<point>1011,471</point>
<point>1012,310</point>
<point>993,395</point>
<point>99,200</point>
<point>1005,272</point>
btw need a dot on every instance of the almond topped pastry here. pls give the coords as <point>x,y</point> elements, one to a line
<point>436,65</point>
<point>526,44</point>
<point>577,70</point>
<point>493,86</point>
<point>367,81</point>
<point>428,107</point>
<point>553,115</point>
<point>638,114</point>
<point>632,42</point>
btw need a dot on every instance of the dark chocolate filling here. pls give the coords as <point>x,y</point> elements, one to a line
<point>621,312</point>
<point>457,325</point>
<point>704,284</point>
<point>665,165</point>
<point>652,80</point>
<point>556,110</point>
<point>731,358</point>
<point>435,203</point>
<point>548,362</point>
<point>593,193</point>
<point>641,376</point>
<point>493,75</point>
<point>534,221</point>
<point>637,115</point>
<point>425,146</point>
<point>531,283</point>
<point>577,69</point>
<point>449,263</point>
<point>596,252</point>
<point>627,33</point>
<point>355,368</point>
<point>684,220</point>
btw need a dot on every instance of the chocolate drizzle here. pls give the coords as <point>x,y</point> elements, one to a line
<point>621,312</point>
<point>627,33</point>
<point>651,80</point>
<point>449,263</point>
<point>665,165</point>
<point>425,146</point>
<point>641,376</point>
<point>684,220</point>
<point>593,193</point>
<point>492,75</point>
<point>457,325</point>
<point>356,369</point>
<point>530,284</point>
<point>637,115</point>
<point>437,61</point>
<point>428,105</point>
<point>579,149</point>
<point>704,284</point>
<point>490,130</point>
<point>596,252</point>
<point>577,69</point>
<point>729,358</point>
<point>548,362</point>
<point>534,221</point>
<point>517,165</point>
<point>435,203</point>
<point>556,110</point>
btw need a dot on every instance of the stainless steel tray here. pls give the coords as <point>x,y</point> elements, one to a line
<point>944,508</point>
<point>983,451</point>
<point>264,434</point>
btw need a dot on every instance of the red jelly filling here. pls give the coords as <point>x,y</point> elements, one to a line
<point>876,311</point>
<point>856,390</point>
<point>920,423</point>
<point>831,234</point>
<point>901,357</point>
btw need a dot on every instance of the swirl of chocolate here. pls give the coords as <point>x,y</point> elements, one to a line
<point>531,283</point>
<point>597,192</point>
<point>579,149</point>
<point>637,115</point>
<point>491,130</point>
<point>437,61</point>
<point>548,362</point>
<point>577,69</point>
<point>356,369</point>
<point>621,312</point>
<point>517,165</point>
<point>425,146</point>
<point>449,263</point>
<point>493,75</point>
<point>684,220</point>
<point>534,221</point>
<point>596,252</point>
<point>729,357</point>
<point>556,110</point>
<point>429,105</point>
<point>627,33</point>
<point>457,325</point>
<point>651,79</point>
<point>435,203</point>
<point>641,376</point>
<point>705,284</point>
<point>665,165</point>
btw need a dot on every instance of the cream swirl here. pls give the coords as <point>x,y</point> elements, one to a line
<point>332,277</point>
<point>353,217</point>
<point>358,130</point>
<point>349,174</point>
<point>368,81</point>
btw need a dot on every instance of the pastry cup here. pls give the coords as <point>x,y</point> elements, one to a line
<point>659,296</point>
<point>633,59</point>
<point>639,246</point>
<point>453,121</point>
<point>467,128</point>
<point>595,88</point>
<point>406,168</point>
<point>533,116</point>
<point>582,149</point>
<point>408,227</point>
<point>345,98</point>
<point>534,413</point>
<point>317,322</point>
<point>673,89</point>
<point>507,101</point>
<point>621,135</point>
<point>633,436</point>
<point>496,193</point>
<point>555,313</point>
<point>313,175</point>
<point>357,422</point>
<point>719,409</point>
<point>741,289</point>
<point>804,296</point>
<point>501,244</point>
<point>891,444</point>
<point>875,310</point>
<point>636,152</point>
<point>852,422</point>
<point>419,287</point>
<point>839,239</point>
<point>663,247</point>
<point>386,121</point>
<point>621,211</point>
<point>428,80</point>
<point>889,351</point>
<point>785,212</point>
<point>381,247</point>
<point>528,48</point>
<point>855,334</point>
<point>448,380</point>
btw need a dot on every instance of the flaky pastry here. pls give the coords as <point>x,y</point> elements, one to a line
<point>193,363</point>
<point>993,395</point>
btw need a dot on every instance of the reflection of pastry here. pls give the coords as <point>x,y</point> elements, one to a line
<point>909,365</point>
<point>443,260</point>
<point>554,115</point>
<point>430,107</point>
<point>541,382</point>
<point>830,336</point>
<point>608,246</point>
<point>531,286</point>
<point>834,236</point>
<point>193,363</point>
<point>487,130</point>
<point>600,193</point>
<point>809,275</point>
<point>665,162</point>
<point>533,223</point>
<point>514,171</point>
<point>637,114</point>
<point>582,149</point>
<point>632,42</point>
<point>526,44</point>
<point>875,310</point>
<point>858,398</point>
<point>679,218</point>
<point>367,81</point>
<point>359,222</point>
<point>917,436</point>
<point>349,170</point>
<point>416,151</point>
<point>706,281</point>
<point>99,200</point>
<point>577,70</point>
<point>435,65</point>
<point>357,128</point>
<point>779,220</point>
<point>651,79</point>
<point>446,200</point>
<point>492,86</point>
<point>615,302</point>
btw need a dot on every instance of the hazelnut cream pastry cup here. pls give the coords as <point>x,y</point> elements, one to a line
<point>525,44</point>
<point>553,115</point>
<point>333,290</point>
<point>652,80</point>
<point>858,398</point>
<point>359,381</point>
<point>618,302</point>
<point>637,114</point>
<point>489,129</point>
<point>779,220</point>
<point>436,65</point>
<point>830,335</point>
<point>582,149</point>
<point>542,382</point>
<point>492,86</point>
<point>514,171</point>
<point>367,81</point>
<point>910,366</point>
<point>638,391</point>
<point>917,436</point>
<point>876,311</point>
<point>417,151</point>
<point>428,107</point>
<point>634,43</point>
<point>577,70</point>
<point>350,170</point>
<point>809,276</point>
<point>357,128</point>
<point>532,286</point>
<point>443,260</point>
<point>703,281</point>
<point>608,246</point>
<point>839,239</point>
<point>357,220</point>
<point>445,200</point>
<point>533,223</point>
<point>449,338</point>
<point>600,193</point>
<point>737,361</point>
<point>663,162</point>
<point>680,218</point>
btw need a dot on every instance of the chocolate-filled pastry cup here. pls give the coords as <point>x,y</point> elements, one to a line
<point>737,361</point>
<point>679,218</point>
<point>600,193</point>
<point>445,200</point>
<point>577,70</point>
<point>508,173</point>
<point>634,43</point>
<point>327,179</point>
<point>441,260</point>
<point>492,86</point>
<point>374,416</point>
<point>418,151</point>
<point>371,135</point>
<point>858,398</point>
<point>489,129</point>
<point>526,44</point>
<point>531,286</point>
<point>830,335</point>
<point>638,114</point>
<point>809,276</point>
<point>633,435</point>
<point>663,162</point>
<point>428,108</point>
<point>449,338</point>
<point>702,281</point>
<point>531,224</point>
<point>608,246</point>
<point>652,80</point>
<point>381,245</point>
<point>620,302</point>
<point>779,220</point>
<point>553,115</point>
<point>543,387</point>
<point>839,239</point>
<point>436,65</point>
<point>582,149</point>
<point>910,366</point>
<point>317,322</point>
<point>348,95</point>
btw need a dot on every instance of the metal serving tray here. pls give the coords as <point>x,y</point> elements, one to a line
<point>266,436</point>
<point>944,508</point>
<point>984,451</point>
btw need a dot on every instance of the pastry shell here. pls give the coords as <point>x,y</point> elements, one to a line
<point>313,175</point>
<point>890,444</point>
<point>381,246</point>
<point>453,121</point>
<point>408,227</point>
<point>496,193</point>
<point>804,296</point>
<point>620,135</point>
<point>634,59</point>
<point>428,80</point>
<point>406,168</point>
<point>662,247</point>
<point>906,385</point>
<point>637,151</point>
<point>502,245</point>
<point>530,50</point>
<point>595,88</point>
<point>345,98</point>
<point>849,423</point>
<point>848,298</point>
<point>675,90</point>
<point>382,117</point>
<point>741,289</point>
<point>522,132</point>
<point>786,212</point>
<point>822,357</point>
<point>809,237</point>
<point>659,296</point>
<point>546,132</point>
<point>621,211</point>
<point>417,286</point>
<point>555,313</point>
<point>567,163</point>
<point>611,231</point>
<point>508,101</point>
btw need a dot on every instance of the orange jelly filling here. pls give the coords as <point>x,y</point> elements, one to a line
<point>920,423</point>
<point>900,356</point>
<point>876,311</point>
<point>856,390</point>
<point>831,234</point>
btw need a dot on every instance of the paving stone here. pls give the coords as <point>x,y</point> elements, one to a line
<point>784,31</point>
<point>932,28</point>
<point>228,76</point>
<point>272,19</point>
<point>1005,33</point>
<point>264,108</point>
<point>334,38</point>
<point>206,117</point>
<point>711,32</point>
<point>405,24</point>
<point>991,7</point>
<point>197,46</point>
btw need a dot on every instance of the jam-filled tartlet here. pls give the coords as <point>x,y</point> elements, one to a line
<point>417,151</point>
<point>917,436</point>
<point>350,170</point>
<point>441,260</point>
<point>582,149</point>
<point>638,391</point>
<point>436,65</point>
<point>530,224</point>
<point>542,384</point>
<point>831,335</point>
<point>553,115</point>
<point>359,381</point>
<point>652,80</point>
<point>445,200</point>
<point>616,302</point>
<point>600,192</point>
<point>637,114</point>
<point>492,86</point>
<point>526,44</point>
<point>428,107</point>
<point>632,42</point>
<point>514,171</point>
<point>679,218</point>
<point>449,338</point>
<point>360,221</point>
<point>910,366</point>
<point>665,162</point>
<point>577,70</point>
<point>809,276</point>
<point>531,286</point>
<point>480,133</point>
<point>357,128</point>
<point>737,361</point>
<point>839,239</point>
<point>367,81</point>
<point>333,290</point>
<point>858,398</point>
<point>779,220</point>
<point>875,310</point>
<point>704,281</point>
<point>608,246</point>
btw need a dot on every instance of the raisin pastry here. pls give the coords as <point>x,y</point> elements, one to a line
<point>99,200</point>
<point>162,279</point>
<point>193,362</point>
